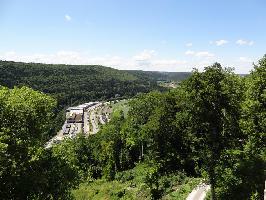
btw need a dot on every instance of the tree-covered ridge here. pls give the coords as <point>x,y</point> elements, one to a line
<point>161,76</point>
<point>72,84</point>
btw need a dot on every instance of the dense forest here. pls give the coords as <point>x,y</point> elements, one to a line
<point>73,84</point>
<point>160,76</point>
<point>212,127</point>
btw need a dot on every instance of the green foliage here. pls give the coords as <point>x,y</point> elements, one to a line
<point>161,76</point>
<point>26,170</point>
<point>31,112</point>
<point>100,189</point>
<point>131,184</point>
<point>214,123</point>
<point>213,109</point>
<point>242,171</point>
<point>183,190</point>
<point>121,106</point>
<point>208,195</point>
<point>207,124</point>
<point>110,151</point>
<point>150,117</point>
<point>71,84</point>
<point>78,154</point>
<point>94,156</point>
<point>240,175</point>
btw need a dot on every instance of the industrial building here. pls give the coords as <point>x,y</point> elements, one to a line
<point>75,118</point>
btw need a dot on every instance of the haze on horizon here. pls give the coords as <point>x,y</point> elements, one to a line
<point>162,35</point>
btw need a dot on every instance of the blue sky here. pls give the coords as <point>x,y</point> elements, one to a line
<point>165,35</point>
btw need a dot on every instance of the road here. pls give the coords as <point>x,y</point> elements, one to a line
<point>101,115</point>
<point>199,192</point>
<point>86,122</point>
<point>94,122</point>
<point>101,119</point>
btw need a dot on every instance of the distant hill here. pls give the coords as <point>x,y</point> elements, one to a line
<point>163,76</point>
<point>160,76</point>
<point>73,84</point>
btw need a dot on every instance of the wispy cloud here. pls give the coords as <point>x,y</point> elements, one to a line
<point>145,55</point>
<point>147,60</point>
<point>189,52</point>
<point>204,54</point>
<point>220,42</point>
<point>245,59</point>
<point>244,42</point>
<point>68,18</point>
<point>199,53</point>
<point>189,44</point>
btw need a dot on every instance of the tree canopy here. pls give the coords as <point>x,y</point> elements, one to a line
<point>211,126</point>
<point>72,84</point>
<point>27,170</point>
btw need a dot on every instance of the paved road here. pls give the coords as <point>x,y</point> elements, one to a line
<point>86,122</point>
<point>199,192</point>
<point>94,122</point>
<point>101,119</point>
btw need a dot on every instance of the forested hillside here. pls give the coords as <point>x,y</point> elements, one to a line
<point>161,76</point>
<point>72,84</point>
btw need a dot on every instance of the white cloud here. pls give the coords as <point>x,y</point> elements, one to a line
<point>244,42</point>
<point>204,54</point>
<point>200,59</point>
<point>168,65</point>
<point>220,42</point>
<point>173,62</point>
<point>189,44</point>
<point>199,53</point>
<point>10,53</point>
<point>68,18</point>
<point>145,55</point>
<point>189,52</point>
<point>245,59</point>
<point>145,60</point>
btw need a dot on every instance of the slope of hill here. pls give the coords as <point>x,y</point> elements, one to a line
<point>160,76</point>
<point>72,84</point>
